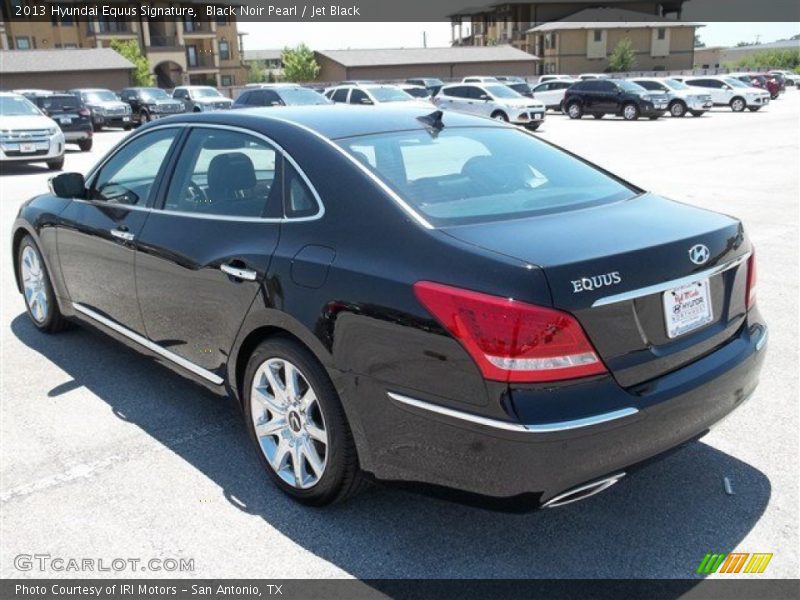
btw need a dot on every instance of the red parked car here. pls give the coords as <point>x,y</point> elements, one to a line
<point>760,80</point>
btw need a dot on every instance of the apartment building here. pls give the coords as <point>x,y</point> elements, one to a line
<point>516,23</point>
<point>180,52</point>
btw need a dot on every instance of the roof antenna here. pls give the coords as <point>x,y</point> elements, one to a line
<point>433,121</point>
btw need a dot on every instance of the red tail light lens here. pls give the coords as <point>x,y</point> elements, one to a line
<point>511,340</point>
<point>751,280</point>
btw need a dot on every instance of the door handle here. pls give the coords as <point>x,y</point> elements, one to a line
<point>123,234</point>
<point>238,272</point>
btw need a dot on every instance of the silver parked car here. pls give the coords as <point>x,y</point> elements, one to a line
<point>201,98</point>
<point>682,98</point>
<point>494,100</point>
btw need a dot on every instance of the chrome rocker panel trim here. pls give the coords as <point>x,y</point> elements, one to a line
<point>516,427</point>
<point>143,341</point>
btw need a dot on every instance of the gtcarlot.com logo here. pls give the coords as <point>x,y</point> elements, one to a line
<point>72,564</point>
<point>736,562</point>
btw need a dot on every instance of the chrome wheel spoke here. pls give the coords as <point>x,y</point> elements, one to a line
<point>272,427</point>
<point>281,455</point>
<point>316,433</point>
<point>33,284</point>
<point>265,401</point>
<point>292,382</point>
<point>308,399</point>
<point>312,458</point>
<point>297,466</point>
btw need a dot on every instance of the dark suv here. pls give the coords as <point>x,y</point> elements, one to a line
<point>72,117</point>
<point>148,103</point>
<point>600,97</point>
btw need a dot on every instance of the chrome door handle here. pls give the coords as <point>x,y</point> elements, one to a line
<point>246,274</point>
<point>122,235</point>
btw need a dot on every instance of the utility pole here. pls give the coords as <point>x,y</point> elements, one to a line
<point>424,39</point>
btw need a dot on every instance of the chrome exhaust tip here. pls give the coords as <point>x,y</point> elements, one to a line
<point>582,492</point>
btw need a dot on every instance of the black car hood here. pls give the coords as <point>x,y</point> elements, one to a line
<point>645,239</point>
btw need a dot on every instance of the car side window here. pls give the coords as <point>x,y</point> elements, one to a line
<point>128,176</point>
<point>605,86</point>
<point>340,95</point>
<point>180,94</point>
<point>225,173</point>
<point>475,93</point>
<point>359,97</point>
<point>299,201</point>
<point>269,98</point>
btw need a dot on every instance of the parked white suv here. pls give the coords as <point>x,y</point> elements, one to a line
<point>480,79</point>
<point>727,91</point>
<point>552,77</point>
<point>682,98</point>
<point>368,94</point>
<point>201,98</point>
<point>494,100</point>
<point>551,93</point>
<point>26,135</point>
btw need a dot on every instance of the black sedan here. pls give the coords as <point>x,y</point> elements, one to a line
<point>417,296</point>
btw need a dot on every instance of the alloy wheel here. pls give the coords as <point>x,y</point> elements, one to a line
<point>629,112</point>
<point>677,109</point>
<point>34,285</point>
<point>574,111</point>
<point>738,105</point>
<point>288,422</point>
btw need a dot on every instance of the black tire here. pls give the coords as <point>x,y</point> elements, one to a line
<point>533,126</point>
<point>574,110</point>
<point>56,165</point>
<point>500,116</point>
<point>561,107</point>
<point>54,321</point>
<point>599,115</point>
<point>775,96</point>
<point>754,108</point>
<point>653,118</point>
<point>127,127</point>
<point>630,115</point>
<point>144,117</point>
<point>96,126</point>
<point>677,109</point>
<point>85,145</point>
<point>698,113</point>
<point>342,476</point>
<point>738,104</point>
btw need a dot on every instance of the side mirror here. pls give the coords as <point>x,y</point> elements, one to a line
<point>366,101</point>
<point>483,97</point>
<point>68,185</point>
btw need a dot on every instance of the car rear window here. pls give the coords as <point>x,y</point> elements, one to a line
<point>478,174</point>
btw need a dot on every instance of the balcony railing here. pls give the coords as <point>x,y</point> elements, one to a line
<point>108,27</point>
<point>163,41</point>
<point>201,61</point>
<point>196,27</point>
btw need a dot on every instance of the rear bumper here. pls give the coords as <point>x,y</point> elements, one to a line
<point>77,135</point>
<point>602,429</point>
<point>121,121</point>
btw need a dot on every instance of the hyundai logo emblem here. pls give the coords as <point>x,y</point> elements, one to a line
<point>699,254</point>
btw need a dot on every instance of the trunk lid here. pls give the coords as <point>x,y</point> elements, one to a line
<point>612,265</point>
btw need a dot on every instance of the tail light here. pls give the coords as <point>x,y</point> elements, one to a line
<point>512,340</point>
<point>751,280</point>
<point>84,112</point>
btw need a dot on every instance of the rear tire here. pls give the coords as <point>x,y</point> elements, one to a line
<point>127,127</point>
<point>96,126</point>
<point>144,117</point>
<point>698,113</point>
<point>85,145</point>
<point>300,417</point>
<point>40,300</point>
<point>599,115</point>
<point>574,110</point>
<point>56,165</point>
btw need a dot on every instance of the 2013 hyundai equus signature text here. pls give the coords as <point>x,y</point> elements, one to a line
<point>416,296</point>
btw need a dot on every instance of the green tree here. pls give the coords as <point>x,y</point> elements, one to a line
<point>299,64</point>
<point>788,58</point>
<point>622,58</point>
<point>698,43</point>
<point>256,72</point>
<point>141,68</point>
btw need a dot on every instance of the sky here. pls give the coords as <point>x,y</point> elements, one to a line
<point>335,36</point>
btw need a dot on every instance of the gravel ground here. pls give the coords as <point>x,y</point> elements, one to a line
<point>104,454</point>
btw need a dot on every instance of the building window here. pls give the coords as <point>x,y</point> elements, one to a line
<point>23,43</point>
<point>662,33</point>
<point>224,20</point>
<point>70,45</point>
<point>598,35</point>
<point>227,80</point>
<point>224,50</point>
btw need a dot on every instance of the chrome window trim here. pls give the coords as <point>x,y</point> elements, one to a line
<point>673,283</point>
<point>375,179</point>
<point>143,341</point>
<point>516,427</point>
<point>318,215</point>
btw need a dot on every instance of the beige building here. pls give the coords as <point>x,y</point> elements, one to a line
<point>64,69</point>
<point>582,42</point>
<point>179,52</point>
<point>717,57</point>
<point>404,63</point>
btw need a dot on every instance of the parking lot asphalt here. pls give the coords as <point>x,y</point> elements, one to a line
<point>104,454</point>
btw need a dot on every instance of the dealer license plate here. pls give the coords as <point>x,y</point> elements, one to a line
<point>65,120</point>
<point>687,307</point>
<point>27,147</point>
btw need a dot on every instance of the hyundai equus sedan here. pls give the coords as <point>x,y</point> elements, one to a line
<point>406,295</point>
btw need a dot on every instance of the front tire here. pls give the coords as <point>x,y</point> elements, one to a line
<point>677,109</point>
<point>599,115</point>
<point>127,127</point>
<point>754,108</point>
<point>40,301</point>
<point>630,112</point>
<point>85,145</point>
<point>698,113</point>
<point>297,422</point>
<point>738,104</point>
<point>56,165</point>
<point>574,110</point>
<point>499,115</point>
<point>144,117</point>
